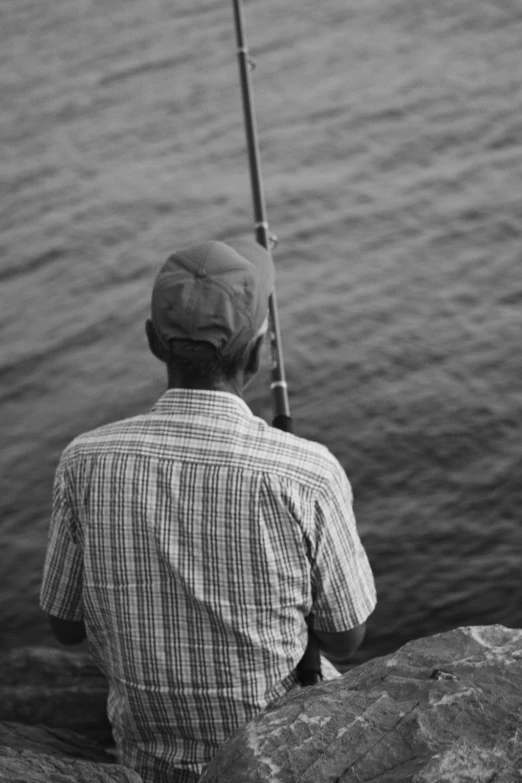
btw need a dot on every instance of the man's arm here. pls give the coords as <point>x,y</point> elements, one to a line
<point>67,631</point>
<point>343,587</point>
<point>61,594</point>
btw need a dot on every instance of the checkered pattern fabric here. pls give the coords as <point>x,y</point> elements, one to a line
<point>193,541</point>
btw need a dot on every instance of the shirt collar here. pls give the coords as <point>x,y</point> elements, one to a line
<point>197,401</point>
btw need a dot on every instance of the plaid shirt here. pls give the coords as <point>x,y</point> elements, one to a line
<point>193,541</point>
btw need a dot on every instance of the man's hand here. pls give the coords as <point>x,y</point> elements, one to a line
<point>67,631</point>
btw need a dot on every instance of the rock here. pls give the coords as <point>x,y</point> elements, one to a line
<point>44,695</point>
<point>55,688</point>
<point>59,742</point>
<point>444,709</point>
<point>24,766</point>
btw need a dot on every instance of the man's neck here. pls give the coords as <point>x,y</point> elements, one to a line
<point>232,387</point>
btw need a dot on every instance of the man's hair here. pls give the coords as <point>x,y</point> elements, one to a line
<point>200,362</point>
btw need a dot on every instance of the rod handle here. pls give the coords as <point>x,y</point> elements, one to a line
<point>309,667</point>
<point>283,423</point>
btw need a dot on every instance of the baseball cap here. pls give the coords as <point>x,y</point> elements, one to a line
<point>213,292</point>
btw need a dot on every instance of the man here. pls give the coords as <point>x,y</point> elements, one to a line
<point>190,543</point>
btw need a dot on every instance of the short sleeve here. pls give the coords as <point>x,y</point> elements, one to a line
<point>62,585</point>
<point>343,588</point>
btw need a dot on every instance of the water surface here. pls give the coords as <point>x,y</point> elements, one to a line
<point>390,139</point>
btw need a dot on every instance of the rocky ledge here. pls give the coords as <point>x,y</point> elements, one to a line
<point>447,708</point>
<point>444,709</point>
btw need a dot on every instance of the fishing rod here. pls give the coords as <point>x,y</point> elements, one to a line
<point>309,668</point>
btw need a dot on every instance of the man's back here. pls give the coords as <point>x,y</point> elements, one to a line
<point>205,538</point>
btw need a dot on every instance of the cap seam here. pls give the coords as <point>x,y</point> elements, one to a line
<point>191,308</point>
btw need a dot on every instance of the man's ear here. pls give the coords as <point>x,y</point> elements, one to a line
<point>254,360</point>
<point>155,345</point>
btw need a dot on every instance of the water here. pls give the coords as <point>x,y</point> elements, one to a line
<point>390,139</point>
